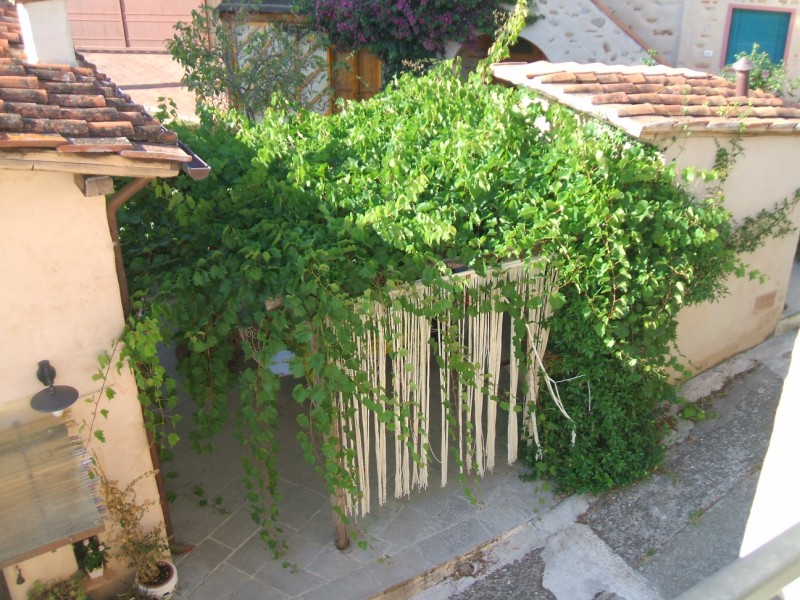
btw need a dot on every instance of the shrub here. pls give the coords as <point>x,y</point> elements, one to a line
<point>229,64</point>
<point>767,75</point>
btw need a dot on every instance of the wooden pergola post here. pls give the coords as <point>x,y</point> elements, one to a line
<point>338,500</point>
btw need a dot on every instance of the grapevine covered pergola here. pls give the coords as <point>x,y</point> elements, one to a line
<point>447,338</point>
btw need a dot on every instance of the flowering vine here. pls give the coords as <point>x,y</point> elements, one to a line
<point>400,30</point>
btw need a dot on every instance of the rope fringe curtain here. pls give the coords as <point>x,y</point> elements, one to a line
<point>395,354</point>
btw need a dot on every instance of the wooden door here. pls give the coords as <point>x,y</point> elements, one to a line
<point>355,75</point>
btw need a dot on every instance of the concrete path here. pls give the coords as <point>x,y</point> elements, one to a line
<point>658,537</point>
<point>146,76</point>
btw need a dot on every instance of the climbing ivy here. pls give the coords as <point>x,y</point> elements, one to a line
<point>304,215</point>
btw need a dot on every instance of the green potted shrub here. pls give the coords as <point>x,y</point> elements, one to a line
<point>145,549</point>
<point>92,556</point>
<point>64,589</point>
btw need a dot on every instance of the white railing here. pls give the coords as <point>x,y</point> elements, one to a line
<point>761,575</point>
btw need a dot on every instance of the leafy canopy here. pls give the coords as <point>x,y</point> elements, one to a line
<point>318,211</point>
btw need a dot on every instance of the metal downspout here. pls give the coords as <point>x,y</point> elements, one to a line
<point>112,205</point>
<point>114,202</point>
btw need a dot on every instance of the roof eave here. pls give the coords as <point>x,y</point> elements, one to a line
<point>87,164</point>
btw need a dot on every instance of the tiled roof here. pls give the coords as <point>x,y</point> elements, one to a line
<point>71,109</point>
<point>659,99</point>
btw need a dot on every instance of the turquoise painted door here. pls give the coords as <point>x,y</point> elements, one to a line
<point>768,28</point>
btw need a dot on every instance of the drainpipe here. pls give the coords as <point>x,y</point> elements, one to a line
<point>114,202</point>
<point>117,200</point>
<point>742,67</point>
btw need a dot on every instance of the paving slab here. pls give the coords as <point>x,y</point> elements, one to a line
<point>655,538</point>
<point>578,565</point>
<point>710,542</point>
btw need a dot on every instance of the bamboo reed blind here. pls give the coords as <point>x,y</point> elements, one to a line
<point>46,499</point>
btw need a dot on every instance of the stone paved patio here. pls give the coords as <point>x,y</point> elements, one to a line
<point>405,537</point>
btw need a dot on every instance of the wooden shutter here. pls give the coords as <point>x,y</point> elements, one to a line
<point>355,75</point>
<point>768,28</point>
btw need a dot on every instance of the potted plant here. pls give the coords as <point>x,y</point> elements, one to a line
<point>65,589</point>
<point>145,549</point>
<point>92,556</point>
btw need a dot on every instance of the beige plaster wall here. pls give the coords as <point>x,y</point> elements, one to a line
<point>60,299</point>
<point>764,175</point>
<point>58,564</point>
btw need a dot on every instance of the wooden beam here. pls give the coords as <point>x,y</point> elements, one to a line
<point>338,504</point>
<point>95,164</point>
<point>94,185</point>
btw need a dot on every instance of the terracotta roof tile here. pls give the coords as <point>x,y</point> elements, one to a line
<point>31,140</point>
<point>615,98</point>
<point>18,81</point>
<point>60,87</point>
<point>95,144</point>
<point>46,74</point>
<point>70,127</point>
<point>31,110</point>
<point>111,128</point>
<point>92,114</point>
<point>655,99</point>
<point>134,117</point>
<point>73,109</point>
<point>77,100</point>
<point>637,111</point>
<point>10,122</point>
<point>157,152</point>
<point>10,68</point>
<point>560,78</point>
<point>607,78</point>
<point>23,95</point>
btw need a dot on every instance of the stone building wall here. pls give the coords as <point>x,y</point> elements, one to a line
<point>657,23</point>
<point>577,30</point>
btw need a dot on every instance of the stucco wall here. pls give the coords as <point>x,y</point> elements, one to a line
<point>60,299</point>
<point>705,23</point>
<point>762,176</point>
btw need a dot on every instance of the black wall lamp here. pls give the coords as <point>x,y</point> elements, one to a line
<point>55,398</point>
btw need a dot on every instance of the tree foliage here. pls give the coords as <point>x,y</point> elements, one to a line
<point>230,64</point>
<point>321,211</point>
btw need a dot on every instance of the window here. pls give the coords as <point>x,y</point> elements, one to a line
<point>767,28</point>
